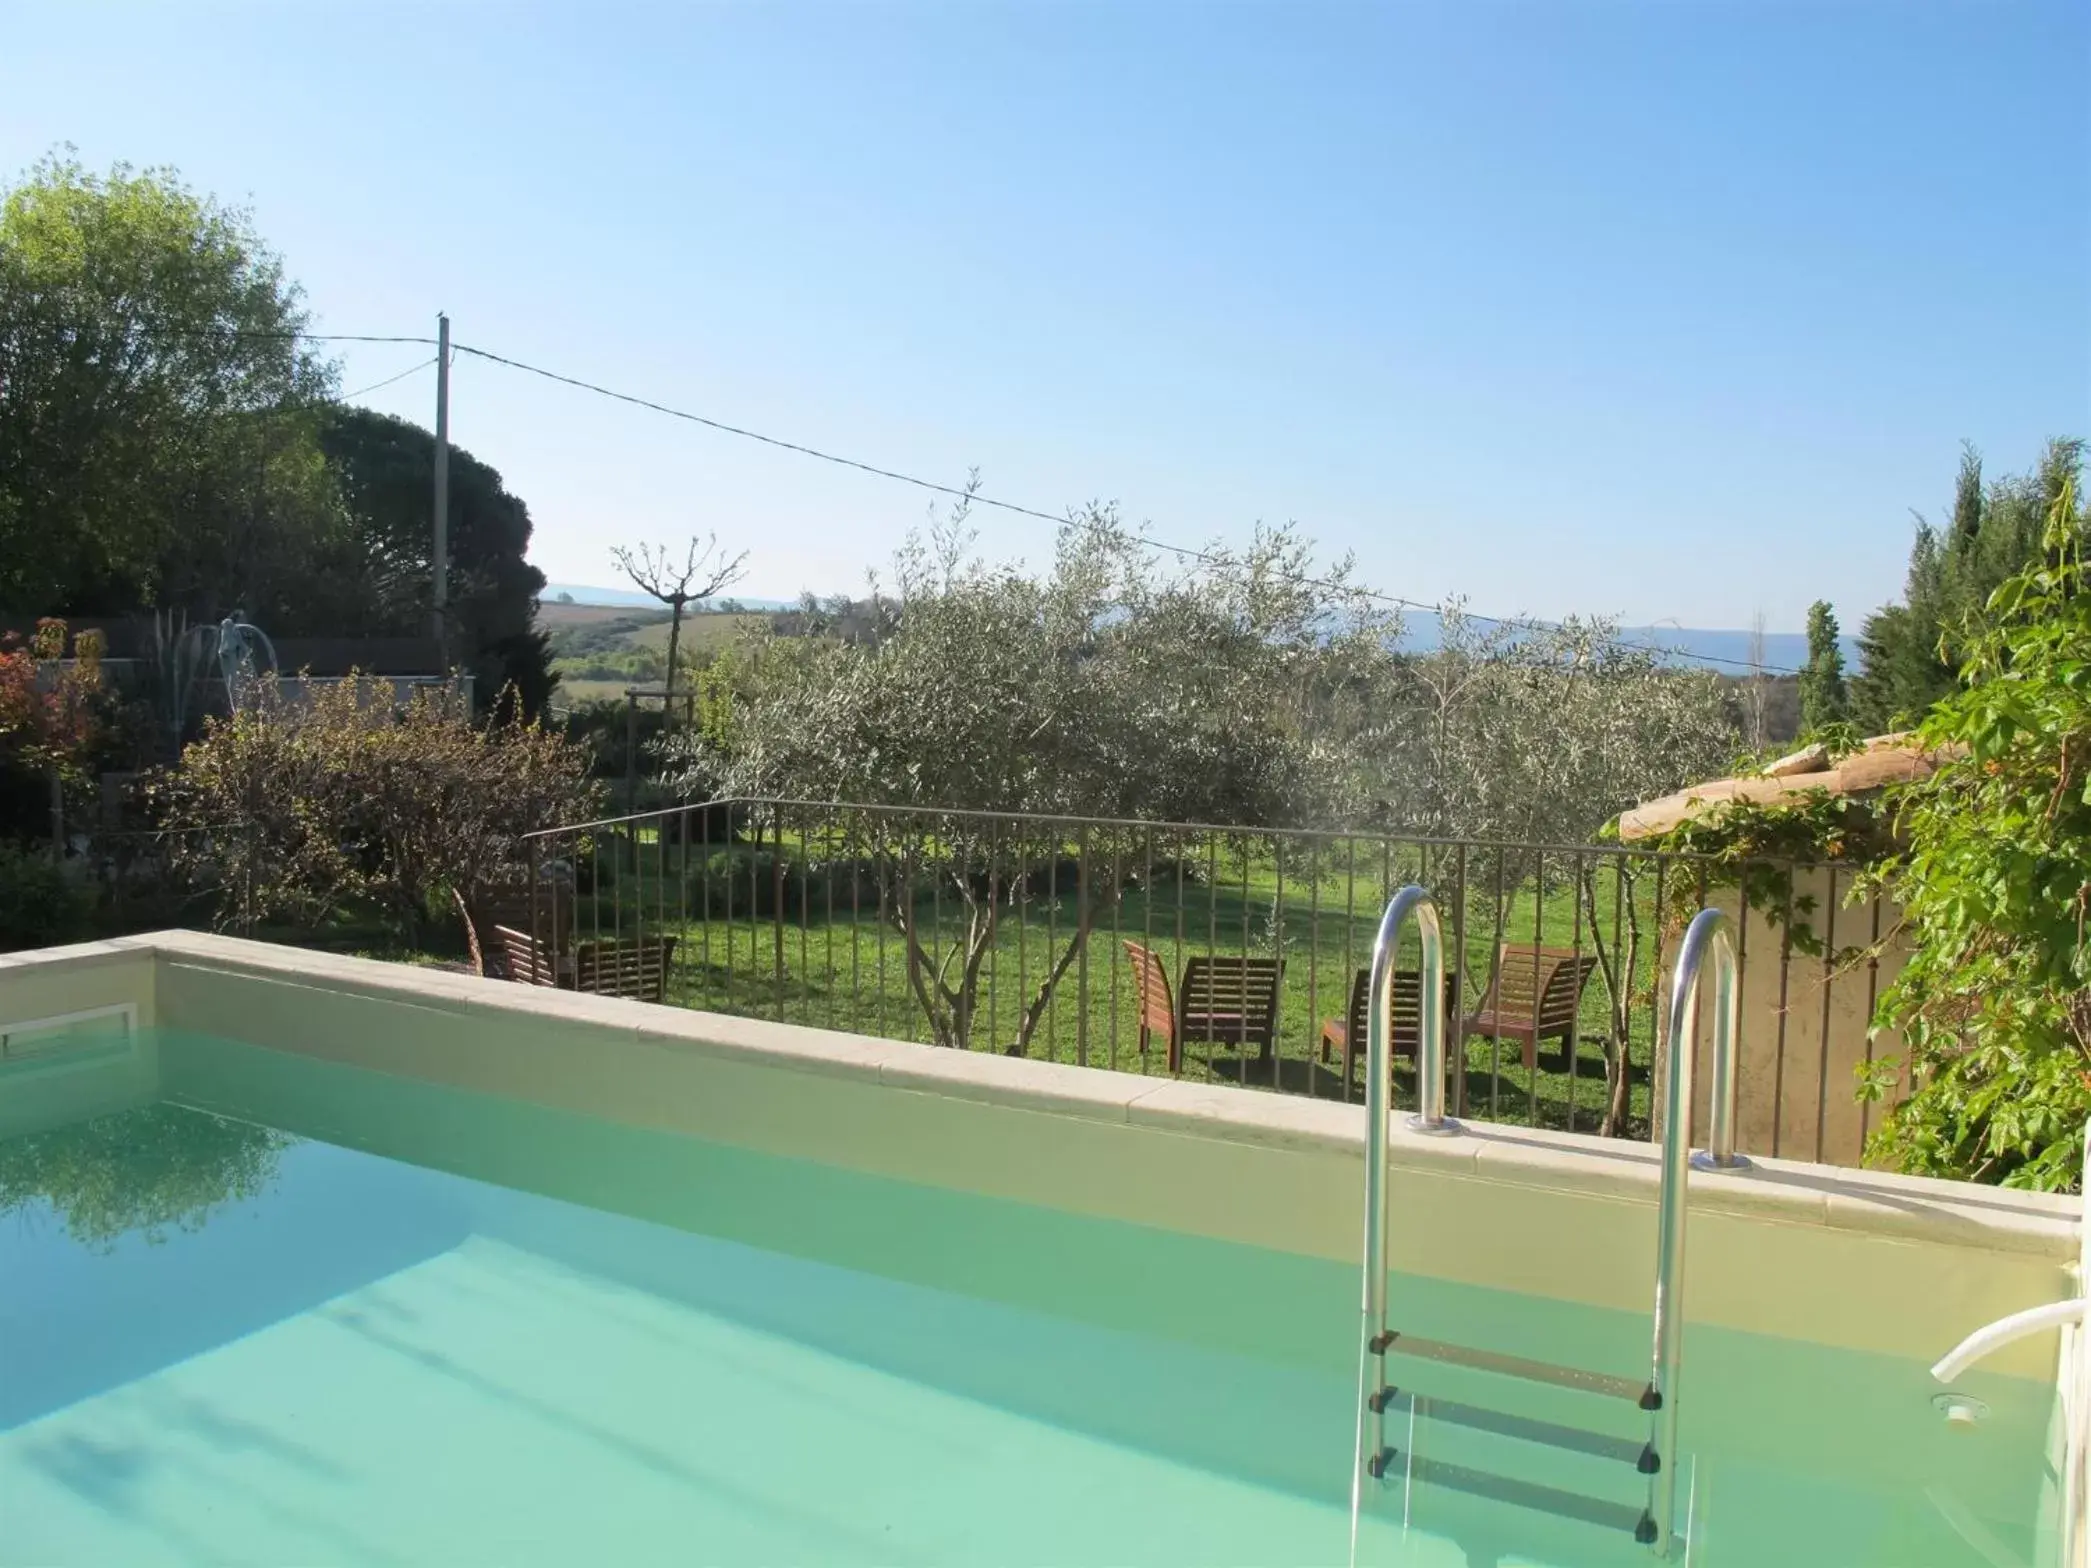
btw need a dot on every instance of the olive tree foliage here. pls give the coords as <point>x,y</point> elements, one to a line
<point>1521,734</point>
<point>1106,689</point>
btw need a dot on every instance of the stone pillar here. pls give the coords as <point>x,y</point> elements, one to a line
<point>1803,1023</point>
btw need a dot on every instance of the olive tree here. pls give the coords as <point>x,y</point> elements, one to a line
<point>1522,734</point>
<point>1001,707</point>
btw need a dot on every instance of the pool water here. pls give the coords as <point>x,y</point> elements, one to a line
<point>316,1315</point>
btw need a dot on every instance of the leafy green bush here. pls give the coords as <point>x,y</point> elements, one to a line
<point>1995,1003</point>
<point>345,799</point>
<point>39,904</point>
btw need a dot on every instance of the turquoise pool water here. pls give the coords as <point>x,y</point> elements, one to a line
<point>414,1326</point>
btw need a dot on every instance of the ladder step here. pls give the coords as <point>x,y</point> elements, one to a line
<point>1628,1518</point>
<point>1630,1389</point>
<point>1574,1439</point>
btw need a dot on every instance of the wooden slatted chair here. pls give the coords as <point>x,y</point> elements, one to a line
<point>1535,994</point>
<point>548,914</point>
<point>1226,1000</point>
<point>1347,1034</point>
<point>635,967</point>
<point>1154,999</point>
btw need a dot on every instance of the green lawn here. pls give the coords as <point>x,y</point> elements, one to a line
<point>829,962</point>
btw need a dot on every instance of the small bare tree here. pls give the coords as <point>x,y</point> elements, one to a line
<point>1757,691</point>
<point>705,570</point>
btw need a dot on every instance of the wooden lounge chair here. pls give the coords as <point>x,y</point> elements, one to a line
<point>1222,1001</point>
<point>549,915</point>
<point>1347,1034</point>
<point>635,967</point>
<point>1535,994</point>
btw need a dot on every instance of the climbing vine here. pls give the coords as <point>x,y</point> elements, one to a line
<point>1757,847</point>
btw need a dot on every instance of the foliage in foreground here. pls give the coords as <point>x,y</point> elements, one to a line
<point>1995,1003</point>
<point>341,798</point>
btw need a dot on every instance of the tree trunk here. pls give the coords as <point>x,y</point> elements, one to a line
<point>674,641</point>
<point>1616,965</point>
<point>1035,1010</point>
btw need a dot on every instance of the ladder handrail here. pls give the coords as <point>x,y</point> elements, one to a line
<point>1430,1117</point>
<point>1707,933</point>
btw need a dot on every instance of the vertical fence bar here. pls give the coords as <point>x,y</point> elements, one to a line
<point>994,933</point>
<point>1117,934</point>
<point>1212,945</point>
<point>1460,968</point>
<point>1626,886</point>
<point>805,900</point>
<point>754,919</point>
<point>934,956</point>
<point>1082,936</point>
<point>889,889</point>
<point>682,892</point>
<point>1575,1017</point>
<point>1829,979</point>
<point>1350,966</point>
<point>1278,947</point>
<point>1241,847</point>
<point>1022,862</point>
<point>827,860</point>
<point>704,898</point>
<point>1495,1001</point>
<point>1872,1000</point>
<point>1052,958</point>
<point>1779,1048</point>
<point>1178,1054</point>
<point>1314,960</point>
<point>857,863</point>
<point>777,907</point>
<point>1147,931</point>
<point>1538,996</point>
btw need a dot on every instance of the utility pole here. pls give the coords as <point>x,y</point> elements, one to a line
<point>441,556</point>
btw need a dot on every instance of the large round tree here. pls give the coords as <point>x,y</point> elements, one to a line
<point>159,414</point>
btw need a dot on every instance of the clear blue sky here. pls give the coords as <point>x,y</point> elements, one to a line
<point>1674,310</point>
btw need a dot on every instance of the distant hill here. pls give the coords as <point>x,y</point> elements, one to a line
<point>1727,651</point>
<point>612,615</point>
<point>577,593</point>
<point>598,650</point>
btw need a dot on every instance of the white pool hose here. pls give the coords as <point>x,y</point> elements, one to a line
<point>1994,1336</point>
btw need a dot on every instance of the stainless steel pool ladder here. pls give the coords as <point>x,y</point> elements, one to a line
<point>1658,1395</point>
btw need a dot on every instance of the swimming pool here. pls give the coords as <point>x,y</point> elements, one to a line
<point>287,1307</point>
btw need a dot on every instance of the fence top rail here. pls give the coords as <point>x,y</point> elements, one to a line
<point>1234,829</point>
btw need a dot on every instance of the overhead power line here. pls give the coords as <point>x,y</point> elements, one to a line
<point>935,487</point>
<point>409,371</point>
<point>1187,552</point>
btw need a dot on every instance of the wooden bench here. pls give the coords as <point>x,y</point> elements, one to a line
<point>547,913</point>
<point>633,966</point>
<point>1224,1000</point>
<point>1347,1034</point>
<point>1535,994</point>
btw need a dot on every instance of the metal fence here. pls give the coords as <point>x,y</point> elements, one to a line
<point>1213,952</point>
